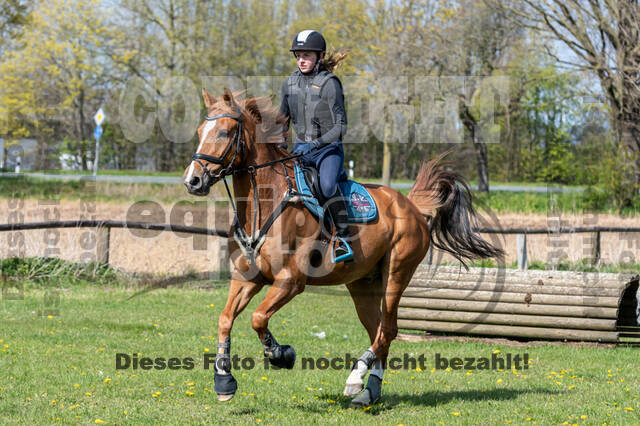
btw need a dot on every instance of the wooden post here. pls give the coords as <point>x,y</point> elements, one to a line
<point>521,241</point>
<point>103,235</point>
<point>429,258</point>
<point>595,247</point>
<point>386,156</point>
<point>221,265</point>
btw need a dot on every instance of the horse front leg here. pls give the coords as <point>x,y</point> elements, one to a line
<point>280,293</point>
<point>240,293</point>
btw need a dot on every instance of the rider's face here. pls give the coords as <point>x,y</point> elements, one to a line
<point>306,60</point>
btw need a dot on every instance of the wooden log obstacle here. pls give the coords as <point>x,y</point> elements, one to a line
<point>553,305</point>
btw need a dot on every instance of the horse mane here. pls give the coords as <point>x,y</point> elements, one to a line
<point>271,126</point>
<point>332,60</point>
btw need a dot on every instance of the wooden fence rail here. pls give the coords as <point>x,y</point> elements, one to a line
<point>484,301</point>
<point>521,239</point>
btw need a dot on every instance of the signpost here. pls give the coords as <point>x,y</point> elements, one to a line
<point>97,133</point>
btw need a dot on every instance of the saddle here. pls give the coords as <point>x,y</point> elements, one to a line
<point>361,207</point>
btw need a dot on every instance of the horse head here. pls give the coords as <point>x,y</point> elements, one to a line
<point>229,136</point>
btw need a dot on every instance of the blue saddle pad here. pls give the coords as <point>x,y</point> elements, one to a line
<point>361,207</point>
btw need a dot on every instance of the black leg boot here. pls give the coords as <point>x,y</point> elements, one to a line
<point>337,208</point>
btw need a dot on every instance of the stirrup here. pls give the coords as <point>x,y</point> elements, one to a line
<point>345,257</point>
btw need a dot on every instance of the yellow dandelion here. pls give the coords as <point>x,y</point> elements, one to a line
<point>88,393</point>
<point>98,421</point>
<point>628,408</point>
<point>76,385</point>
<point>583,417</point>
<point>189,393</point>
<point>107,380</point>
<point>264,378</point>
<point>497,351</point>
<point>211,305</point>
<point>206,349</point>
<point>499,381</point>
<point>455,413</point>
<point>124,412</point>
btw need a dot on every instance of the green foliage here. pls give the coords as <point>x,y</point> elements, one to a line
<point>44,269</point>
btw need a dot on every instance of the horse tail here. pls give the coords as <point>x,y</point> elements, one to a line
<point>445,196</point>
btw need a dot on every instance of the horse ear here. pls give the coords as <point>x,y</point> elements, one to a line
<point>208,99</point>
<point>228,97</point>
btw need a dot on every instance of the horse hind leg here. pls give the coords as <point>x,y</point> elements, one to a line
<point>367,295</point>
<point>396,274</point>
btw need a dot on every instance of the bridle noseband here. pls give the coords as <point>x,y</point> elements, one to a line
<point>237,143</point>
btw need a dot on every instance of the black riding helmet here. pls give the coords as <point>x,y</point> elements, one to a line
<point>308,40</point>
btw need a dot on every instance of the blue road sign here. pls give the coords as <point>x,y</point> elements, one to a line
<point>97,132</point>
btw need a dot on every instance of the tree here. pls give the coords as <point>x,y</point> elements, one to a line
<point>604,37</point>
<point>51,84</point>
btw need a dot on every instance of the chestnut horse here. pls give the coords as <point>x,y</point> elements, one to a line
<point>276,241</point>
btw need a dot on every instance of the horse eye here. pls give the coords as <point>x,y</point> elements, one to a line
<point>222,134</point>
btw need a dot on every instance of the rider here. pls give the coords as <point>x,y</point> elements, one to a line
<point>312,97</point>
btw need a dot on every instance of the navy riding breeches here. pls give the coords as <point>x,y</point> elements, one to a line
<point>329,161</point>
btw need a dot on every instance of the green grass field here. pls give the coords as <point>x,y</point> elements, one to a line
<point>59,367</point>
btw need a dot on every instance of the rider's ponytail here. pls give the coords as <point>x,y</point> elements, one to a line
<point>331,60</point>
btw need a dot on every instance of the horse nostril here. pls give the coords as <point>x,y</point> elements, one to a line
<point>194,182</point>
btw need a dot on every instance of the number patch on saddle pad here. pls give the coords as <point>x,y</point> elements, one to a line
<point>360,203</point>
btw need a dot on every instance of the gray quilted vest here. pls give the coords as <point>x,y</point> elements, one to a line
<point>310,114</point>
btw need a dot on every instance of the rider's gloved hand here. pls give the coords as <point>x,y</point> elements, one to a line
<point>302,148</point>
<point>283,144</point>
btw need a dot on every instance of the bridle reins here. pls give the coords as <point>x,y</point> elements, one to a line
<point>249,244</point>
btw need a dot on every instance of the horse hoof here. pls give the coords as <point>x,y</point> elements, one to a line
<point>225,386</point>
<point>225,398</point>
<point>363,400</point>
<point>286,358</point>
<point>353,389</point>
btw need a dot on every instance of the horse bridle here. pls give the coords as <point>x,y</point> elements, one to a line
<point>250,244</point>
<point>237,143</point>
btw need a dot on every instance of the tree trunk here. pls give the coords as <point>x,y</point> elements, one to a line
<point>483,165</point>
<point>473,135</point>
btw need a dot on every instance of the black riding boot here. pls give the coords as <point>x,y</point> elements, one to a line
<point>337,208</point>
